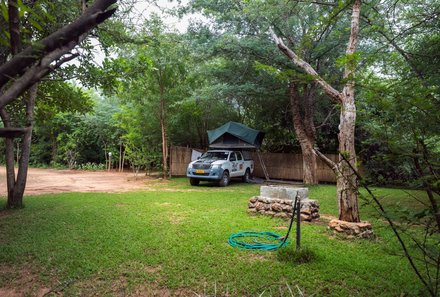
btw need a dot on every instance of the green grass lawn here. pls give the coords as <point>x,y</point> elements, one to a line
<point>172,239</point>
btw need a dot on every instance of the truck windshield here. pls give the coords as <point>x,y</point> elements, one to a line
<point>215,155</point>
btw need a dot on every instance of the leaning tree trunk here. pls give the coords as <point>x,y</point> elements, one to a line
<point>304,132</point>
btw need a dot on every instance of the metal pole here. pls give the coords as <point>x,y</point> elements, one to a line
<point>298,225</point>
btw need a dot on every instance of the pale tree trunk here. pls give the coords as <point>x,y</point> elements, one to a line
<point>123,161</point>
<point>163,132</point>
<point>346,180</point>
<point>304,131</point>
<point>120,157</point>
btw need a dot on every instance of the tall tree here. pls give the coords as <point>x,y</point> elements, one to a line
<point>244,41</point>
<point>346,180</point>
<point>28,66</point>
<point>156,74</point>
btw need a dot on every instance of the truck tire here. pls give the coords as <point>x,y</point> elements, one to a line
<point>247,176</point>
<point>225,179</point>
<point>194,182</point>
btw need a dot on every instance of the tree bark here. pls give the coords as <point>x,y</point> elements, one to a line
<point>304,130</point>
<point>17,186</point>
<point>163,130</point>
<point>9,155</point>
<point>346,179</point>
<point>14,27</point>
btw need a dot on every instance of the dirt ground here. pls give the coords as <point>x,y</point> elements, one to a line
<point>45,181</point>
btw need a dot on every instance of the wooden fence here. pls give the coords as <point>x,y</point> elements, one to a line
<point>180,157</point>
<point>279,166</point>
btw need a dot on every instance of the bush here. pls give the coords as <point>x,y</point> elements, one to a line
<point>91,166</point>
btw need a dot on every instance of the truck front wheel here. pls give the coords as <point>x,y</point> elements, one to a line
<point>194,182</point>
<point>224,180</point>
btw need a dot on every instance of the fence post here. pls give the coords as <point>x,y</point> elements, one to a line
<point>298,225</point>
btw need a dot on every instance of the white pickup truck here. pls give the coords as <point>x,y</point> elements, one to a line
<point>220,166</point>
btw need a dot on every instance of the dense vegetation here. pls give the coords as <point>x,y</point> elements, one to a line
<point>284,67</point>
<point>160,85</point>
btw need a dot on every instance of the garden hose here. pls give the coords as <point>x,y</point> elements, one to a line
<point>267,241</point>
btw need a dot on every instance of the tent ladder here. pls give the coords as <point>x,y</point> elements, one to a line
<point>263,166</point>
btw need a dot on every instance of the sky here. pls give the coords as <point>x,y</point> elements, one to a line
<point>143,8</point>
<point>141,11</point>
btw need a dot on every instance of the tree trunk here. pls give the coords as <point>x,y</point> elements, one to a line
<point>310,165</point>
<point>123,161</point>
<point>163,132</point>
<point>9,155</point>
<point>16,187</point>
<point>120,157</point>
<point>346,179</point>
<point>304,132</point>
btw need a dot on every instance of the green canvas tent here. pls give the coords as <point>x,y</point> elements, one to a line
<point>234,135</point>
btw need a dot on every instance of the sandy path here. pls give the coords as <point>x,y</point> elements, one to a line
<point>44,181</point>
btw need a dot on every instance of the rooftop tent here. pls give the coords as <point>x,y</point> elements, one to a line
<point>234,135</point>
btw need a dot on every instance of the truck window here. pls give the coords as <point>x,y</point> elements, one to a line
<point>239,157</point>
<point>232,157</point>
<point>215,156</point>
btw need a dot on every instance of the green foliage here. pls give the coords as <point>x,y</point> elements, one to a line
<point>91,166</point>
<point>141,158</point>
<point>82,131</point>
<point>252,74</point>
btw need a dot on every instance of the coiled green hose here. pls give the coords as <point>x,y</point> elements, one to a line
<point>267,241</point>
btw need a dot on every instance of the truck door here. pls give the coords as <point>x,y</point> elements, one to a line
<point>240,163</point>
<point>234,164</point>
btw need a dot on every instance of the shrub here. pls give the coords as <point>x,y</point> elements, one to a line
<point>91,166</point>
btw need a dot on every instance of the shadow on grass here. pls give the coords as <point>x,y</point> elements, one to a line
<point>290,254</point>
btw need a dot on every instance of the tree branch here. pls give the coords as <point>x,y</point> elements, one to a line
<point>328,89</point>
<point>96,14</point>
<point>329,115</point>
<point>393,227</point>
<point>37,72</point>
<point>326,160</point>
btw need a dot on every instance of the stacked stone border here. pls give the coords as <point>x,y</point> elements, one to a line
<point>351,230</point>
<point>277,201</point>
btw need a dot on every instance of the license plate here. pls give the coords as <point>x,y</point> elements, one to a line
<point>200,171</point>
